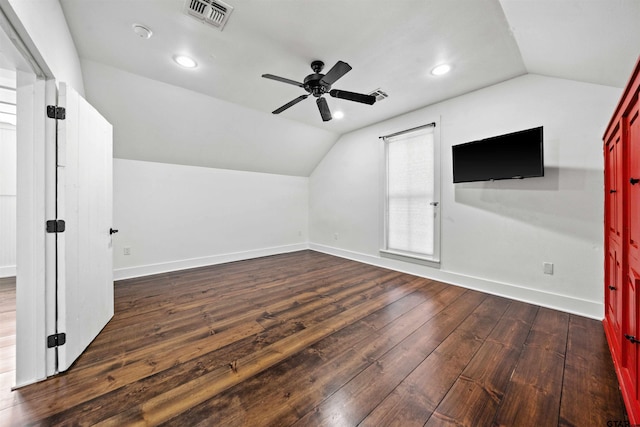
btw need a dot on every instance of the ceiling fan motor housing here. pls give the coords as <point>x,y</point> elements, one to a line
<point>313,82</point>
<point>315,86</point>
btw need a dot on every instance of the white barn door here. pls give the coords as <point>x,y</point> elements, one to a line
<point>84,202</point>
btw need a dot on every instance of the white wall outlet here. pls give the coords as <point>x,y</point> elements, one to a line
<point>299,233</point>
<point>127,251</point>
<point>335,236</point>
<point>547,267</point>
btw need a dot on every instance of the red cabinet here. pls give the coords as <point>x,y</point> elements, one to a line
<point>622,242</point>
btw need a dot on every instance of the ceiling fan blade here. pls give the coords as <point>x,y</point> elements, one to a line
<point>337,71</point>
<point>324,109</point>
<point>352,96</point>
<point>290,104</point>
<point>282,79</point>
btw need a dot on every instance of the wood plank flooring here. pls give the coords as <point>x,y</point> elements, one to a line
<point>307,339</point>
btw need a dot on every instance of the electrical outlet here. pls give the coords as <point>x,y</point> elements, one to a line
<point>547,267</point>
<point>335,236</point>
<point>127,251</point>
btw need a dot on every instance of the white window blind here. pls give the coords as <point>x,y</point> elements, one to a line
<point>411,194</point>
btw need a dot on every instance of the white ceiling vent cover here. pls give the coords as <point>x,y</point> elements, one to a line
<point>379,94</point>
<point>213,12</point>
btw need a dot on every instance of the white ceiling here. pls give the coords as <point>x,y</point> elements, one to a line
<point>391,44</point>
<point>595,41</point>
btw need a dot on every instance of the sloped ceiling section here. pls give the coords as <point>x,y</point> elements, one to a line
<point>591,41</point>
<point>159,122</point>
<point>391,45</point>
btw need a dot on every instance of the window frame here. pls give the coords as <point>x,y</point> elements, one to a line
<point>384,251</point>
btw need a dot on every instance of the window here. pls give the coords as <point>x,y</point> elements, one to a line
<point>411,195</point>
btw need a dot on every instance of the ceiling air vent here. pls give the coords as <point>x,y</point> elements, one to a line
<point>379,94</point>
<point>213,12</point>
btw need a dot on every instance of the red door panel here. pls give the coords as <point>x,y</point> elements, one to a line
<point>613,237</point>
<point>633,217</point>
<point>633,187</point>
<point>613,292</point>
<point>629,346</point>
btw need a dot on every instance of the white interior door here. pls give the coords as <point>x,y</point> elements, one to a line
<point>84,202</point>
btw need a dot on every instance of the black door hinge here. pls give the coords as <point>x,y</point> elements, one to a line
<point>55,226</point>
<point>56,340</point>
<point>55,112</point>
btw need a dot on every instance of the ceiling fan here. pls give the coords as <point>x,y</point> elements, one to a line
<point>318,84</point>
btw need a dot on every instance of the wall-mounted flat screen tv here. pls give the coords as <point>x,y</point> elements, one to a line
<point>511,156</point>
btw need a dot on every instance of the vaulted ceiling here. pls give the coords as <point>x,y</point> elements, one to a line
<point>391,45</point>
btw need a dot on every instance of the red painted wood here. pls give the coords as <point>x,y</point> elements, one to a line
<point>633,215</point>
<point>614,190</point>
<point>622,243</point>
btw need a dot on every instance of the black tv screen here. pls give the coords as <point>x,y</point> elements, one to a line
<point>511,156</point>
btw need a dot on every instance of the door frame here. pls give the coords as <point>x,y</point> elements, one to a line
<point>34,166</point>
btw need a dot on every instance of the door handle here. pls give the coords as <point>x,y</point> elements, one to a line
<point>612,191</point>
<point>631,338</point>
<point>634,181</point>
<point>112,231</point>
<point>613,288</point>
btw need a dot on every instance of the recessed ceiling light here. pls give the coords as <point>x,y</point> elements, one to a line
<point>441,69</point>
<point>185,61</point>
<point>338,115</point>
<point>142,31</point>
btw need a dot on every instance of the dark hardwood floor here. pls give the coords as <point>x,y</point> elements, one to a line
<point>7,343</point>
<point>310,339</point>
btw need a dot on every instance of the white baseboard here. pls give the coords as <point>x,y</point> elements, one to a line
<point>591,309</point>
<point>165,267</point>
<point>586,308</point>
<point>8,271</point>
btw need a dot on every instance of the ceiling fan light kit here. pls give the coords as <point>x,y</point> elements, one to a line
<point>318,84</point>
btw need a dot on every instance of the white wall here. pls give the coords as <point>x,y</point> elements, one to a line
<point>50,37</point>
<point>8,163</point>
<point>495,235</point>
<point>174,216</point>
